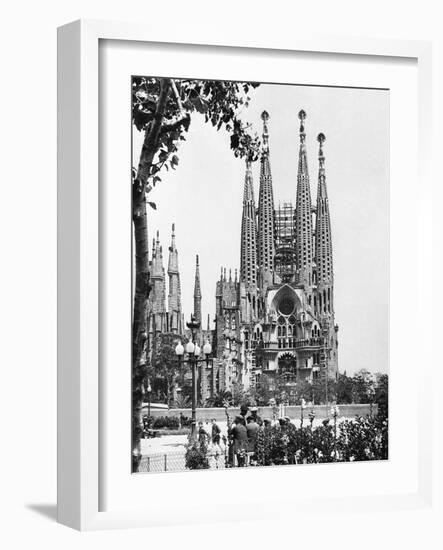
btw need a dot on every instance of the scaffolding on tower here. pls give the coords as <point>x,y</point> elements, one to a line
<point>285,256</point>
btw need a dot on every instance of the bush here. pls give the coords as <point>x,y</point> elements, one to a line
<point>169,422</point>
<point>196,456</point>
<point>347,441</point>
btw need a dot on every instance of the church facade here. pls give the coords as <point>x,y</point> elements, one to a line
<point>274,318</point>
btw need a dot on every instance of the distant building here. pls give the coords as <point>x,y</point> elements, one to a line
<point>162,316</point>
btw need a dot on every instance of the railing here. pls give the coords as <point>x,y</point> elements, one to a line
<point>176,462</point>
<point>163,462</point>
<point>290,343</point>
<point>309,343</point>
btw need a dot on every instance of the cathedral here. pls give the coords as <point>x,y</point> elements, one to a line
<point>274,318</point>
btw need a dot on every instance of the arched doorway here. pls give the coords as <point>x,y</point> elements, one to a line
<point>287,365</point>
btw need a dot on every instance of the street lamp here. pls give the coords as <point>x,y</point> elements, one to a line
<point>193,352</point>
<point>148,391</point>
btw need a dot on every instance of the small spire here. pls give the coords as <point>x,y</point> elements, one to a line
<point>221,273</point>
<point>157,245</point>
<point>208,322</point>
<point>197,292</point>
<point>157,255</point>
<point>153,248</point>
<point>235,278</point>
<point>230,276</point>
<point>323,241</point>
<point>302,117</point>
<point>321,138</point>
<point>173,236</point>
<point>265,135</point>
<point>173,254</point>
<point>224,273</point>
<point>248,190</point>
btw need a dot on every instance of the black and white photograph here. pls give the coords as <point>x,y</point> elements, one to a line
<point>260,239</point>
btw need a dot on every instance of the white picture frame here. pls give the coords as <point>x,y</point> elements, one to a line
<point>79,253</point>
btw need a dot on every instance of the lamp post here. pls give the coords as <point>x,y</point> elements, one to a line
<point>193,352</point>
<point>148,391</point>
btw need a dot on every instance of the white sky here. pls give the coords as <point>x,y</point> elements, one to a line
<point>204,199</point>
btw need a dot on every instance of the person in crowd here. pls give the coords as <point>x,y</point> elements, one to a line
<point>202,434</point>
<point>181,420</point>
<point>254,414</point>
<point>282,421</point>
<point>239,436</point>
<point>215,447</point>
<point>215,432</point>
<point>208,429</point>
<point>244,409</point>
<point>252,432</point>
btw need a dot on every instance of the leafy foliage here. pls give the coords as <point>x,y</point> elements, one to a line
<point>382,395</point>
<point>362,387</point>
<point>347,441</point>
<point>182,401</point>
<point>164,369</point>
<point>220,102</point>
<point>196,456</point>
<point>219,399</point>
<point>169,422</point>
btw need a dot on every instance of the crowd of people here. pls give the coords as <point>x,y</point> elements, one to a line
<point>241,445</point>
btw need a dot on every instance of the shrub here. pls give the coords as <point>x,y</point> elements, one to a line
<point>358,439</point>
<point>196,456</point>
<point>169,422</point>
<point>363,439</point>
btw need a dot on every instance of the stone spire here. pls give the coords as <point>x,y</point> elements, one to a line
<point>197,293</point>
<point>157,295</point>
<point>174,296</point>
<point>303,213</point>
<point>323,238</point>
<point>266,229</point>
<point>157,264</point>
<point>248,244</point>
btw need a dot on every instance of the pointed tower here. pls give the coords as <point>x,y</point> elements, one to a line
<point>174,296</point>
<point>197,293</point>
<point>303,213</point>
<point>324,292</point>
<point>266,229</point>
<point>323,240</point>
<point>157,295</point>
<point>248,252</point>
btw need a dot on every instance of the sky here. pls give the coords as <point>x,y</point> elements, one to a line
<point>203,197</point>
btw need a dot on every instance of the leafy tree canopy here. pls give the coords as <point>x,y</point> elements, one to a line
<point>169,103</point>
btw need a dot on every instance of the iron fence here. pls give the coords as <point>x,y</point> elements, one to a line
<point>176,462</point>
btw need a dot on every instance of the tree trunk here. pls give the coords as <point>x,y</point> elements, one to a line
<point>168,390</point>
<point>142,286</point>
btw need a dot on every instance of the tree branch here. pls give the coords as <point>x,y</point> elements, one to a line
<point>177,96</point>
<point>152,134</point>
<point>182,121</point>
